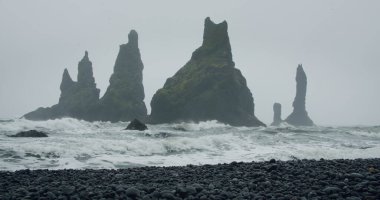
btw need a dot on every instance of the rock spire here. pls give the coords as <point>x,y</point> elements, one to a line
<point>299,116</point>
<point>208,87</point>
<point>277,114</point>
<point>124,98</point>
<point>77,99</point>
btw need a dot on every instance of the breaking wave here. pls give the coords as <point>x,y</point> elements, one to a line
<point>80,144</point>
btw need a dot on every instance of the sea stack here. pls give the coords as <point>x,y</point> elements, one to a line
<point>277,114</point>
<point>77,98</point>
<point>208,87</point>
<point>124,98</point>
<point>299,116</point>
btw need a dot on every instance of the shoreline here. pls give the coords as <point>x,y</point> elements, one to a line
<point>295,179</point>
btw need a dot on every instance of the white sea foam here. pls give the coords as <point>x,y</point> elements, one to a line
<point>79,144</point>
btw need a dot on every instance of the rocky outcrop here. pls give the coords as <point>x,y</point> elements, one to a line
<point>78,99</point>
<point>299,116</point>
<point>277,114</point>
<point>136,125</point>
<point>208,87</point>
<point>124,98</point>
<point>30,133</point>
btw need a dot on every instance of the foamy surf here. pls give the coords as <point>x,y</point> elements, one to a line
<point>80,144</point>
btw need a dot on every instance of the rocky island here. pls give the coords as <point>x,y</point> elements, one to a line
<point>123,100</point>
<point>299,116</point>
<point>208,87</point>
<point>77,100</point>
<point>277,114</point>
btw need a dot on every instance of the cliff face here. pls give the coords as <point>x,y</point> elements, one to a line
<point>124,98</point>
<point>299,116</point>
<point>77,98</point>
<point>277,114</point>
<point>208,87</point>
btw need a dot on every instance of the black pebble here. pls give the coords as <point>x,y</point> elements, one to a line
<point>296,179</point>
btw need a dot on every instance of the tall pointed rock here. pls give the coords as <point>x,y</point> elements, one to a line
<point>208,87</point>
<point>124,98</point>
<point>86,82</point>
<point>67,83</point>
<point>68,86</point>
<point>85,74</point>
<point>299,116</point>
<point>78,99</point>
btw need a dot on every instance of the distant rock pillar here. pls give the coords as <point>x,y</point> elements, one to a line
<point>299,116</point>
<point>277,114</point>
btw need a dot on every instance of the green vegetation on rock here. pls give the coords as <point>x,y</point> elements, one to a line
<point>208,87</point>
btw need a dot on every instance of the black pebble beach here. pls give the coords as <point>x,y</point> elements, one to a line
<point>296,179</point>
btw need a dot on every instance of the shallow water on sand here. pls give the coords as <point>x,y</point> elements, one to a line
<point>79,144</point>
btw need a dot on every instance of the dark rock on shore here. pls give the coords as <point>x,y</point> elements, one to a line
<point>277,114</point>
<point>208,87</point>
<point>30,133</point>
<point>298,179</point>
<point>136,125</point>
<point>299,116</point>
<point>124,98</point>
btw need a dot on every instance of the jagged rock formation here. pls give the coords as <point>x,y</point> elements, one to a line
<point>124,98</point>
<point>277,114</point>
<point>299,116</point>
<point>208,87</point>
<point>77,99</point>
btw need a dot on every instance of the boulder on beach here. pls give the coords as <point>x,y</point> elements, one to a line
<point>136,125</point>
<point>299,116</point>
<point>30,133</point>
<point>276,114</point>
<point>124,98</point>
<point>208,87</point>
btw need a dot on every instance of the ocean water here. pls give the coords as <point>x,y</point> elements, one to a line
<point>79,144</point>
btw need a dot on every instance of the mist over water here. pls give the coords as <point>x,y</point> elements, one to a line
<point>79,144</point>
<point>336,41</point>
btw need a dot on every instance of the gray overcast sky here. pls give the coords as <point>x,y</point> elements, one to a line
<point>338,42</point>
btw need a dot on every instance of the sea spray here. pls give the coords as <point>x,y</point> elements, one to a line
<point>80,144</point>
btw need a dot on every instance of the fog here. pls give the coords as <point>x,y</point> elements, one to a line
<point>338,43</point>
